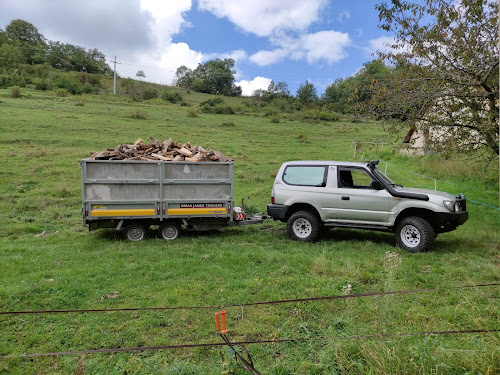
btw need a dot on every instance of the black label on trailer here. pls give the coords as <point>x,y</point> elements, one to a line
<point>201,205</point>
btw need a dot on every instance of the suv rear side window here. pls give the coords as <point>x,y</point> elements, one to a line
<point>305,176</point>
<point>354,179</point>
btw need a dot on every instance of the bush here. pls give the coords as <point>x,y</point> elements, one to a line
<point>173,98</point>
<point>191,112</point>
<point>139,115</point>
<point>212,102</point>
<point>220,109</point>
<point>320,116</point>
<point>149,93</point>
<point>62,92</point>
<point>42,84</point>
<point>275,119</point>
<point>15,92</point>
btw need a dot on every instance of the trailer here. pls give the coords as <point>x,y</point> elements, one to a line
<point>134,195</point>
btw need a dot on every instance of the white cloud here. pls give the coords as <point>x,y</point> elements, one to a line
<point>381,44</point>
<point>263,17</point>
<point>237,55</point>
<point>264,58</point>
<point>248,87</point>
<point>168,17</point>
<point>345,15</point>
<point>324,45</point>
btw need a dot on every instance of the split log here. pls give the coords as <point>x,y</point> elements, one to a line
<point>184,151</point>
<point>162,157</point>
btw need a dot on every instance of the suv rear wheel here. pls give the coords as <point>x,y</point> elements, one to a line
<point>304,226</point>
<point>414,234</point>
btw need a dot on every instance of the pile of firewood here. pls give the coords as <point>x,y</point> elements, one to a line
<point>157,150</point>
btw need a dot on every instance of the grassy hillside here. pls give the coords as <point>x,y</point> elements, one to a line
<point>43,138</point>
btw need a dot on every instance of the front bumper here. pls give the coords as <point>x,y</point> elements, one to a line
<point>448,221</point>
<point>277,211</point>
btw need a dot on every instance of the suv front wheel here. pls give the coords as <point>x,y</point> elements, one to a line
<point>414,234</point>
<point>304,226</point>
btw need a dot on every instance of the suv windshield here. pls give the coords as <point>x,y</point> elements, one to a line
<point>386,178</point>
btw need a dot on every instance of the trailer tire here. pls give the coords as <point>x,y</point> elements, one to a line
<point>169,230</point>
<point>135,232</point>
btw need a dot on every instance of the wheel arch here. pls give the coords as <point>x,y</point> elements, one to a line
<point>423,213</point>
<point>301,207</point>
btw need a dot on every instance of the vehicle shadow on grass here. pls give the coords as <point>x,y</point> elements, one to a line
<point>441,245</point>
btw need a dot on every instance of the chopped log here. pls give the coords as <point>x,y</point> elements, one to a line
<point>155,143</point>
<point>162,157</point>
<point>184,151</point>
<point>166,145</point>
<point>157,150</point>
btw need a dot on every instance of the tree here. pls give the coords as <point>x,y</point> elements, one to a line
<point>213,77</point>
<point>447,77</point>
<point>306,93</point>
<point>140,74</point>
<point>28,39</point>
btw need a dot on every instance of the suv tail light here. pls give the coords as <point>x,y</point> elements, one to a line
<point>272,200</point>
<point>272,196</point>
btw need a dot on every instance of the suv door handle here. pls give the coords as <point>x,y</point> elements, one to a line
<point>344,198</point>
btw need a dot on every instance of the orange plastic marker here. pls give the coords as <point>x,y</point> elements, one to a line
<point>223,315</point>
<point>217,321</point>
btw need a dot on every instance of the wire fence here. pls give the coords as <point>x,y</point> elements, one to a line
<point>288,340</point>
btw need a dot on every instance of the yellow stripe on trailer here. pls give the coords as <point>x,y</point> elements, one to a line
<point>125,212</point>
<point>196,211</point>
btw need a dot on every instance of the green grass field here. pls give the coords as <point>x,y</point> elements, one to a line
<point>43,138</point>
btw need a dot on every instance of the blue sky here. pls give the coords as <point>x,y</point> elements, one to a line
<point>283,40</point>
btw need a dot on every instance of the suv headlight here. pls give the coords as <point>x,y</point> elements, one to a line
<point>450,205</point>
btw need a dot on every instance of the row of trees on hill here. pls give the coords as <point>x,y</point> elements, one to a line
<point>22,43</point>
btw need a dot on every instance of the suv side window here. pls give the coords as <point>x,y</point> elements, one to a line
<point>354,179</point>
<point>305,175</point>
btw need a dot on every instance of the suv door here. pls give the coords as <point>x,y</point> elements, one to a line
<point>358,202</point>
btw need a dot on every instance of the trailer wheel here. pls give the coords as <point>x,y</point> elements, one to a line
<point>135,232</point>
<point>170,230</point>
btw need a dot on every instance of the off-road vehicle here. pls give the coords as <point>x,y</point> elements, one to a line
<point>311,195</point>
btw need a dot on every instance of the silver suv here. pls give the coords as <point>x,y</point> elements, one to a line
<point>310,195</point>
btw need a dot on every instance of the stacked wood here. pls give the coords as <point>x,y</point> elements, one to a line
<point>157,150</point>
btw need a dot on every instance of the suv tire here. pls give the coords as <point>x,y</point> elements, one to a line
<point>414,234</point>
<point>304,226</point>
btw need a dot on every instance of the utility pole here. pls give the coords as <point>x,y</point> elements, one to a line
<point>114,77</point>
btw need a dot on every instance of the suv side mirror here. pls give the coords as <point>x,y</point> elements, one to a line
<point>376,185</point>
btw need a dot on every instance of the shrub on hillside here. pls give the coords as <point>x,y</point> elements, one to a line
<point>191,112</point>
<point>216,106</point>
<point>320,116</point>
<point>139,115</point>
<point>42,83</point>
<point>62,92</point>
<point>212,102</point>
<point>172,97</point>
<point>219,109</point>
<point>149,93</point>
<point>15,92</point>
